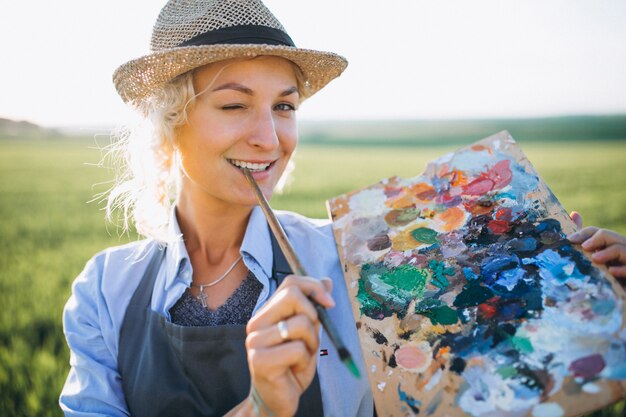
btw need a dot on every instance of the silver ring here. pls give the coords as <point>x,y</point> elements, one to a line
<point>283,330</point>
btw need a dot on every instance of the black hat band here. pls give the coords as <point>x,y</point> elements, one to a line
<point>243,34</point>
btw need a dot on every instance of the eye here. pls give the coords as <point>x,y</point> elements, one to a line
<point>285,107</point>
<point>232,107</point>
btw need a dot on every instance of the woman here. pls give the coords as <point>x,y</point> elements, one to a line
<point>165,326</point>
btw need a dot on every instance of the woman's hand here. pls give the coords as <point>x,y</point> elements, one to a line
<point>607,247</point>
<point>282,345</point>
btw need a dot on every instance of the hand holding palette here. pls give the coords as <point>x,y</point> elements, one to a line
<point>469,299</point>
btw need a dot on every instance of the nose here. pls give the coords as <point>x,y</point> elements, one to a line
<point>264,133</point>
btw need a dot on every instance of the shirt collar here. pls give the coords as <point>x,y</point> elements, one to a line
<point>256,242</point>
<point>256,247</point>
<point>177,262</point>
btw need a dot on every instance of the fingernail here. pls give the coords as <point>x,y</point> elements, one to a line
<point>573,236</point>
<point>330,300</point>
<point>586,244</point>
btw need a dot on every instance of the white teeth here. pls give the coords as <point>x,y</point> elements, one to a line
<point>251,166</point>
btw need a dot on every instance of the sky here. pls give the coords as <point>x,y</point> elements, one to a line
<point>409,59</point>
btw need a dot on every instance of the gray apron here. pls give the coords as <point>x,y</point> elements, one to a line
<point>171,370</point>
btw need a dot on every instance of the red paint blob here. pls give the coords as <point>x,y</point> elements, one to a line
<point>499,226</point>
<point>504,214</point>
<point>487,310</point>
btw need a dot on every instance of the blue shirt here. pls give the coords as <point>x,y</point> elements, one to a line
<point>100,294</point>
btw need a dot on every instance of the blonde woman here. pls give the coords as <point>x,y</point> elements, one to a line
<point>192,321</point>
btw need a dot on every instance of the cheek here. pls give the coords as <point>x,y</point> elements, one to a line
<point>289,138</point>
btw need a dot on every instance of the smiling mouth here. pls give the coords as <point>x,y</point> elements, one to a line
<point>253,167</point>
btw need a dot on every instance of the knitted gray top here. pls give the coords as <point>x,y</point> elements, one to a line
<point>236,310</point>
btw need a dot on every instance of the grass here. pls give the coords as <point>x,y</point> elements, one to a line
<point>49,231</point>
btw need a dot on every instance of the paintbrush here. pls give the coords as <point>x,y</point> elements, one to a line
<point>298,269</point>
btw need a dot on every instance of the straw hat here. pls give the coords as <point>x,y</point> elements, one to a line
<point>192,33</point>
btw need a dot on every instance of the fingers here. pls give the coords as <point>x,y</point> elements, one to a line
<point>615,253</point>
<point>272,362</point>
<point>608,247</point>
<point>283,340</point>
<point>601,239</point>
<point>328,284</point>
<point>577,218</point>
<point>583,234</point>
<point>619,272</point>
<point>298,327</point>
<point>292,299</point>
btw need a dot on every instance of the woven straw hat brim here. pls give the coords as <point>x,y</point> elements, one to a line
<point>136,80</point>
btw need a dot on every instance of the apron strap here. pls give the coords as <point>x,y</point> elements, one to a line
<point>280,267</point>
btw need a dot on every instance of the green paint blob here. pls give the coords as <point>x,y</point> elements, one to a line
<point>408,215</point>
<point>437,311</point>
<point>369,305</point>
<point>472,295</point>
<point>507,372</point>
<point>425,235</point>
<point>406,278</point>
<point>439,271</point>
<point>522,344</point>
<point>442,315</point>
<point>384,290</point>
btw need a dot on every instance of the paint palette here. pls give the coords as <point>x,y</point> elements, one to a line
<point>469,299</point>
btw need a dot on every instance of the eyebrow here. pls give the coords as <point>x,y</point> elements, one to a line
<point>248,91</point>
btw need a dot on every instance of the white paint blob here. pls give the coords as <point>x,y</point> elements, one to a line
<point>548,410</point>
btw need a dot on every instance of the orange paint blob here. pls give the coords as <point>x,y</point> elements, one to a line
<point>424,192</point>
<point>479,148</point>
<point>401,201</point>
<point>453,218</point>
<point>404,241</point>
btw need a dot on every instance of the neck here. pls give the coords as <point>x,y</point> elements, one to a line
<point>212,229</point>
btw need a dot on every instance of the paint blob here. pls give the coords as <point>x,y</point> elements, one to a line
<point>414,357</point>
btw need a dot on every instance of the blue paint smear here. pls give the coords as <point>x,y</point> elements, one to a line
<point>469,274</point>
<point>510,278</point>
<point>509,196</point>
<point>524,244</point>
<point>616,360</point>
<point>410,401</point>
<point>440,184</point>
<point>522,181</point>
<point>603,307</point>
<point>554,266</point>
<point>491,267</point>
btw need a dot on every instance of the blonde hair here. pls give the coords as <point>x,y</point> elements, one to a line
<point>144,160</point>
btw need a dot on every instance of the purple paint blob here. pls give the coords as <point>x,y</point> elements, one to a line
<point>379,242</point>
<point>588,367</point>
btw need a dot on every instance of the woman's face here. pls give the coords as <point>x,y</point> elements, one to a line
<point>244,115</point>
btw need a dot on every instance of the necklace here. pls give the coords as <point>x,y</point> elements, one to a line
<point>202,296</point>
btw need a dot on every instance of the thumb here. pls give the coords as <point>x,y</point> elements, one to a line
<point>577,218</point>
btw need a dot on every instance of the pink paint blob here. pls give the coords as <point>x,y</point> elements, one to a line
<point>500,174</point>
<point>414,357</point>
<point>479,186</point>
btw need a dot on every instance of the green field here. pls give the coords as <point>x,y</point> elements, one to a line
<point>49,231</point>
